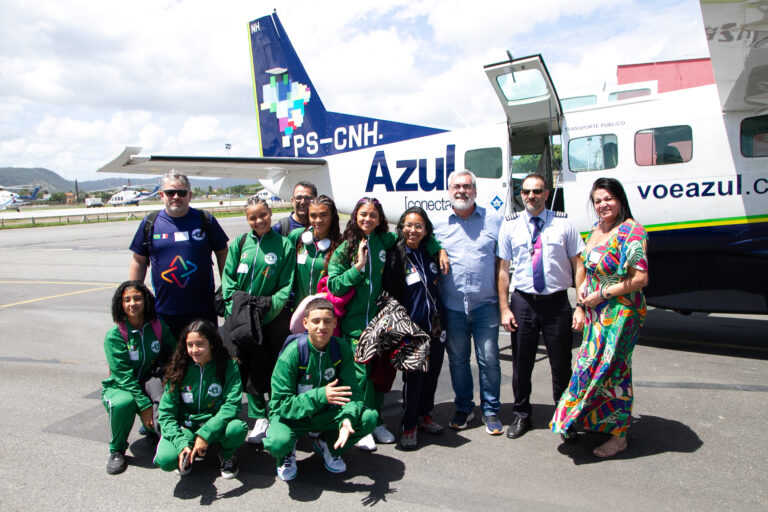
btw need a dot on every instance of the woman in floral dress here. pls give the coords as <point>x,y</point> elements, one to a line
<point>610,286</point>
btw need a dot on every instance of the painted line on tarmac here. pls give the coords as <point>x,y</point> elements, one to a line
<point>703,385</point>
<point>702,343</point>
<point>57,296</point>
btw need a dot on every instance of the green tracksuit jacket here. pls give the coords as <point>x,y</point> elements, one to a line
<point>264,267</point>
<point>309,267</point>
<point>129,363</point>
<point>304,401</point>
<point>342,275</point>
<point>202,403</point>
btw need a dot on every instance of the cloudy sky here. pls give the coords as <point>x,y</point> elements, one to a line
<point>80,80</point>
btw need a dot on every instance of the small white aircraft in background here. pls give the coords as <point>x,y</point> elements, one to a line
<point>693,162</point>
<point>130,195</point>
<point>12,200</point>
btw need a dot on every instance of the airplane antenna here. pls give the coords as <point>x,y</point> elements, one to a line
<point>511,71</point>
<point>460,116</point>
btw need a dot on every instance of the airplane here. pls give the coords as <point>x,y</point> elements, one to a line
<point>693,166</point>
<point>128,195</point>
<point>10,200</point>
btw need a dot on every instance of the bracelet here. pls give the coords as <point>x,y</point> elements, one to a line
<point>606,295</point>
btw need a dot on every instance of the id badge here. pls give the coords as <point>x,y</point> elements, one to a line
<point>187,398</point>
<point>303,388</point>
<point>594,257</point>
<point>134,355</point>
<point>301,258</point>
<point>242,268</point>
<point>412,278</point>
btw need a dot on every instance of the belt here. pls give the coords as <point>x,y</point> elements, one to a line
<point>562,294</point>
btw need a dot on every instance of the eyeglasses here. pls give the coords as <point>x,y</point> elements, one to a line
<point>172,192</point>
<point>302,198</point>
<point>534,191</point>
<point>414,227</point>
<point>468,186</point>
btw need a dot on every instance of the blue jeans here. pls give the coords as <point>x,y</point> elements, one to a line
<point>482,324</point>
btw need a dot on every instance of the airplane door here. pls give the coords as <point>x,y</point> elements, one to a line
<point>533,111</point>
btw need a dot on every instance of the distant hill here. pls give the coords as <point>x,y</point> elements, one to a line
<point>52,182</point>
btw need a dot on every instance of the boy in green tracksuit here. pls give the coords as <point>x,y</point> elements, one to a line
<point>201,402</point>
<point>325,398</point>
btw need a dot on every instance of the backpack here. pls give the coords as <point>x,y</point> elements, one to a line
<point>149,225</point>
<point>285,225</point>
<point>303,344</point>
<point>218,298</point>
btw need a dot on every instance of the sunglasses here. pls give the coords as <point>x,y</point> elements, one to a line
<point>172,192</point>
<point>534,191</point>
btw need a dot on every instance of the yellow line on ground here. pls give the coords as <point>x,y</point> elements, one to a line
<point>57,282</point>
<point>56,296</point>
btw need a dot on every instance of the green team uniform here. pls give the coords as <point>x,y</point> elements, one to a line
<point>299,406</point>
<point>129,363</point>
<point>202,406</point>
<point>310,266</point>
<point>264,267</point>
<point>343,275</point>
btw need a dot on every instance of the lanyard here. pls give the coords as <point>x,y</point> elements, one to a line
<point>531,250</point>
<point>421,275</point>
<point>253,266</point>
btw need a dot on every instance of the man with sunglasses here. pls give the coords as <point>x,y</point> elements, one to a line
<point>544,249</point>
<point>303,193</point>
<point>177,243</point>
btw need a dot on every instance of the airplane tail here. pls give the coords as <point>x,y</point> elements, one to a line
<point>32,196</point>
<point>292,119</point>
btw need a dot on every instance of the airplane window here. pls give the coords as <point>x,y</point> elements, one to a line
<point>485,163</point>
<point>626,95</point>
<point>754,136</point>
<point>578,102</point>
<point>522,85</point>
<point>663,146</point>
<point>593,153</point>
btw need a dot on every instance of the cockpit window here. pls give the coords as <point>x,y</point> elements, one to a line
<point>627,95</point>
<point>522,85</point>
<point>593,153</point>
<point>754,136</point>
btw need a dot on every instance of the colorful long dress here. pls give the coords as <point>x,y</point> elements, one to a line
<point>600,390</point>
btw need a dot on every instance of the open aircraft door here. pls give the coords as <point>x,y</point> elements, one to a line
<point>534,116</point>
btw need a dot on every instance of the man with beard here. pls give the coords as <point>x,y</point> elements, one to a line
<point>469,293</point>
<point>544,248</point>
<point>177,243</point>
<point>303,193</point>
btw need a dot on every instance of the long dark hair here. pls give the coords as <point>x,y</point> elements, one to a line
<point>334,234</point>
<point>614,187</point>
<point>353,234</point>
<point>118,313</point>
<point>180,360</point>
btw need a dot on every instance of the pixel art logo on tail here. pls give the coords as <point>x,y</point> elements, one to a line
<point>286,100</point>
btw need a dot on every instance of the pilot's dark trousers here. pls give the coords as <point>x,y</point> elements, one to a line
<point>551,316</point>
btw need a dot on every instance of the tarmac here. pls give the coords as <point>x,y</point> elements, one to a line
<point>701,383</point>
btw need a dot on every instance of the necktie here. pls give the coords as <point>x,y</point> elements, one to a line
<point>536,261</point>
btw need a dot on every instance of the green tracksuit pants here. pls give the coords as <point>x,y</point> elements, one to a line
<point>167,455</point>
<point>372,399</point>
<point>281,437</point>
<point>122,410</point>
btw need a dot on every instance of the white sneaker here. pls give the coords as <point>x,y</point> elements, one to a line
<point>367,444</point>
<point>287,470</point>
<point>382,435</point>
<point>259,431</point>
<point>332,464</point>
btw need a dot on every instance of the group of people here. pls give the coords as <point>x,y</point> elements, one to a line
<point>304,302</point>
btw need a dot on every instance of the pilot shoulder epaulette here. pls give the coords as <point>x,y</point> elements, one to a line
<point>560,214</point>
<point>512,216</point>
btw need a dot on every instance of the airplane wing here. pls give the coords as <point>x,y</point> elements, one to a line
<point>129,161</point>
